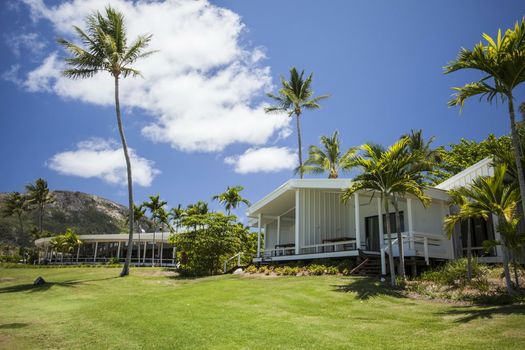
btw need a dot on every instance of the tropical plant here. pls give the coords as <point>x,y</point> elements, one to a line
<point>294,96</point>
<point>66,243</point>
<point>199,208</point>
<point>106,49</point>
<point>176,214</point>
<point>16,204</point>
<point>38,196</point>
<point>428,156</point>
<point>502,62</point>
<point>231,198</point>
<point>491,195</point>
<point>391,174</point>
<point>158,214</point>
<point>463,213</point>
<point>329,159</point>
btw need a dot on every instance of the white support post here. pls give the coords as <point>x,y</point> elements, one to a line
<point>357,222</point>
<point>410,224</point>
<point>297,221</point>
<point>144,254</point>
<point>161,251</point>
<point>95,256</point>
<point>425,247</point>
<point>118,250</point>
<point>259,225</point>
<point>278,230</point>
<point>153,254</point>
<point>174,254</point>
<point>78,252</point>
<point>380,222</point>
<point>383,264</point>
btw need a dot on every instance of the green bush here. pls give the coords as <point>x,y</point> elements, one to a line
<point>454,273</point>
<point>113,261</point>
<point>251,269</point>
<point>315,269</point>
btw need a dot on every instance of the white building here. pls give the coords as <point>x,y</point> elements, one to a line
<point>305,219</point>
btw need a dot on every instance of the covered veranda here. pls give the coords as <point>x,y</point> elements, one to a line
<point>148,249</point>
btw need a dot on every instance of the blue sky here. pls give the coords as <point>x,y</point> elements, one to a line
<point>381,61</point>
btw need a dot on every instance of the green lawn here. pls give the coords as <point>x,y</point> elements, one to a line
<point>91,308</point>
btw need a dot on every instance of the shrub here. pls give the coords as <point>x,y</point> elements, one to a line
<point>453,273</point>
<point>315,269</point>
<point>251,269</point>
<point>113,261</point>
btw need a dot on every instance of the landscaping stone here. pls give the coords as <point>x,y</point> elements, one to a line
<point>39,281</point>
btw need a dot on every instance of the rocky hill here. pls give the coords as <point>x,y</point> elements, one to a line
<point>85,213</point>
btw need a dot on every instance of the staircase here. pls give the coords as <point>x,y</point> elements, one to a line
<point>370,266</point>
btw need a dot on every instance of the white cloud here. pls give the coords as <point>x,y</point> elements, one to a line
<point>203,87</point>
<point>103,159</point>
<point>265,160</point>
<point>25,41</point>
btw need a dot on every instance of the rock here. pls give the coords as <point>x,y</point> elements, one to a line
<point>39,281</point>
<point>238,271</point>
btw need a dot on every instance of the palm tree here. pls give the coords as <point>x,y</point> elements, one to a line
<point>429,157</point>
<point>328,159</point>
<point>502,62</point>
<point>66,243</point>
<point>156,208</point>
<point>387,172</point>
<point>199,208</point>
<point>231,198</point>
<point>294,96</point>
<point>176,214</point>
<point>139,214</point>
<point>491,195</point>
<point>38,196</point>
<point>107,50</point>
<point>16,204</point>
<point>464,213</point>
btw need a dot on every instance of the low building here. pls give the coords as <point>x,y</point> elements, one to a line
<point>305,219</point>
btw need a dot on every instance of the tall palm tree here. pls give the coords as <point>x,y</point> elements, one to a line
<point>463,213</point>
<point>491,195</point>
<point>329,159</point>
<point>39,195</point>
<point>139,214</point>
<point>501,61</point>
<point>385,171</point>
<point>156,209</point>
<point>176,214</point>
<point>199,208</point>
<point>231,198</point>
<point>294,96</point>
<point>429,156</point>
<point>106,49</point>
<point>16,204</point>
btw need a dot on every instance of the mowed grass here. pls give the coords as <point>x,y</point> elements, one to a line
<point>91,308</point>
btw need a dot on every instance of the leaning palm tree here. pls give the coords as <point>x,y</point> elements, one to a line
<point>491,195</point>
<point>294,96</point>
<point>231,198</point>
<point>16,204</point>
<point>156,209</point>
<point>464,213</point>
<point>106,49</point>
<point>329,159</point>
<point>501,61</point>
<point>39,195</point>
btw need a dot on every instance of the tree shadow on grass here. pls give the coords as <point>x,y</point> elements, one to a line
<point>15,325</point>
<point>367,287</point>
<point>469,313</point>
<point>31,288</point>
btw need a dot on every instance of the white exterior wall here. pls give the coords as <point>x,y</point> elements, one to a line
<point>286,234</point>
<point>429,220</point>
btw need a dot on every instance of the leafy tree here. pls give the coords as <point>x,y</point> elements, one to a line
<point>39,195</point>
<point>214,238</point>
<point>231,198</point>
<point>294,96</point>
<point>329,159</point>
<point>106,49</point>
<point>176,214</point>
<point>491,195</point>
<point>391,173</point>
<point>66,243</point>
<point>501,61</point>
<point>16,204</point>
<point>199,208</point>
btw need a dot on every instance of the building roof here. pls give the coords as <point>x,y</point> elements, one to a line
<point>482,168</point>
<point>118,237</point>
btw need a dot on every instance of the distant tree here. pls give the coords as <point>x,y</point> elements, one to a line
<point>294,96</point>
<point>16,204</point>
<point>39,195</point>
<point>501,61</point>
<point>107,50</point>
<point>231,198</point>
<point>176,214</point>
<point>328,159</point>
<point>157,212</point>
<point>199,208</point>
<point>66,243</point>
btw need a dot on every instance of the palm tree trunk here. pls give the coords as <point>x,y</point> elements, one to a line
<point>469,250</point>
<point>390,253</point>
<point>300,146</point>
<point>506,268</point>
<point>399,240</point>
<point>517,153</point>
<point>516,276</point>
<point>125,268</point>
